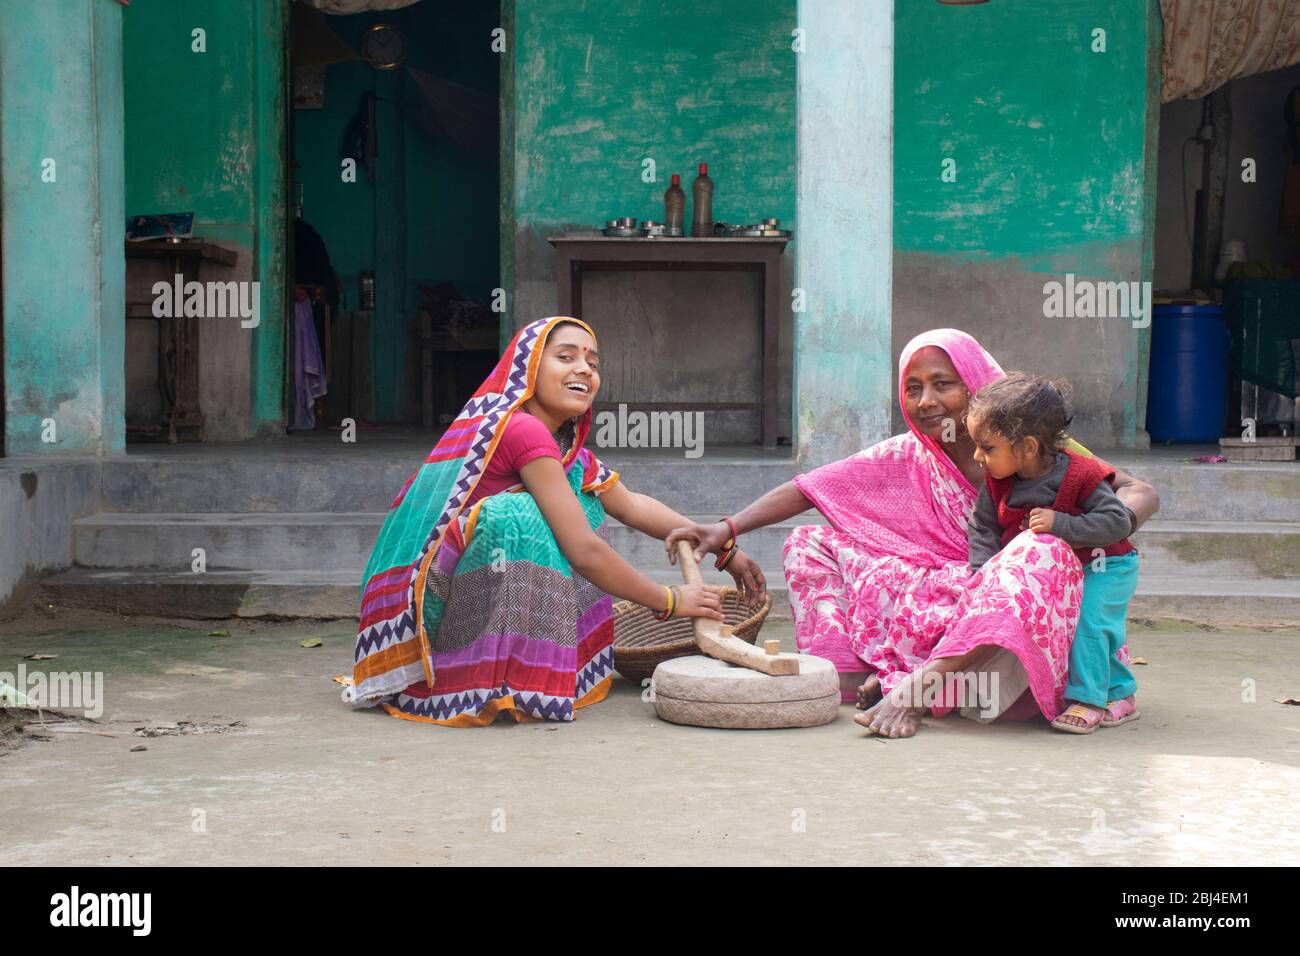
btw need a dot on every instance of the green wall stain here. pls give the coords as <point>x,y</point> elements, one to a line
<point>205,132</point>
<point>1263,555</point>
<point>1049,137</point>
<point>601,87</point>
<point>60,82</point>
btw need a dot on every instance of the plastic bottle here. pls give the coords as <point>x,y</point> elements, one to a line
<point>702,203</point>
<point>675,208</point>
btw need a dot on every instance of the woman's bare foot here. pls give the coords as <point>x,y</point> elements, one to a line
<point>890,718</point>
<point>869,692</point>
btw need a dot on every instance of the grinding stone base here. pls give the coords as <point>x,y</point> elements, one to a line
<point>749,716</point>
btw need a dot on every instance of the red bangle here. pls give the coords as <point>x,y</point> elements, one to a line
<point>724,559</point>
<point>732,525</point>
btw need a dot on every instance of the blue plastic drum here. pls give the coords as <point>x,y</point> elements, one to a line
<point>1187,392</point>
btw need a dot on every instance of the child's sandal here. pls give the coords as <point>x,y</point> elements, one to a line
<point>1120,712</point>
<point>1091,717</point>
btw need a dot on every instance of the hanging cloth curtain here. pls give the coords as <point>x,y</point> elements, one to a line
<point>1209,42</point>
<point>314,41</point>
<point>357,6</point>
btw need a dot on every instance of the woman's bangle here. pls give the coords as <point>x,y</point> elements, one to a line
<point>667,612</point>
<point>724,558</point>
<point>731,542</point>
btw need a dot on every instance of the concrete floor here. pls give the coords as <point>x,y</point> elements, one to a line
<point>1202,778</point>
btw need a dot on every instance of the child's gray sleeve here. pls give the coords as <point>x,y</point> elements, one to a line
<point>983,533</point>
<point>1104,521</point>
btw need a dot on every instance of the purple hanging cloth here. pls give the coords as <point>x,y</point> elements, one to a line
<point>308,366</point>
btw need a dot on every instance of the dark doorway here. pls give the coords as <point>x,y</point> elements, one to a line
<point>394,211</point>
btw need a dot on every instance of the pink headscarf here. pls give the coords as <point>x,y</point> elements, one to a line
<point>904,496</point>
<point>975,366</point>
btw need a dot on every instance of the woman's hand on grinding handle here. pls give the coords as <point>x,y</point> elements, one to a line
<point>698,600</point>
<point>705,538</point>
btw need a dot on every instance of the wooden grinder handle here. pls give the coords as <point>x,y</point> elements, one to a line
<point>711,639</point>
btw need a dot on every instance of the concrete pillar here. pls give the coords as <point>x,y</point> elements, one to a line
<point>842,374</point>
<point>268,362</point>
<point>63,225</point>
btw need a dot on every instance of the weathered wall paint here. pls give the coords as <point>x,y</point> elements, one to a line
<point>205,132</point>
<point>506,167</point>
<point>599,88</point>
<point>1052,144</point>
<point>40,499</point>
<point>269,366</point>
<point>842,340</point>
<point>1137,360</point>
<point>61,99</point>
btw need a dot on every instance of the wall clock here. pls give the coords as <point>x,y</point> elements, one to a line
<point>383,46</point>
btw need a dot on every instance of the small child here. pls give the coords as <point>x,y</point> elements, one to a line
<point>1018,426</point>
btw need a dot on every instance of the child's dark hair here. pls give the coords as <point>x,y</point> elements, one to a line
<point>1022,405</point>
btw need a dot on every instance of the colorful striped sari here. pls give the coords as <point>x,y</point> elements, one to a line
<point>467,612</point>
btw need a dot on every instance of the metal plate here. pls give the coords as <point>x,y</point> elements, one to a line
<point>757,232</point>
<point>622,233</point>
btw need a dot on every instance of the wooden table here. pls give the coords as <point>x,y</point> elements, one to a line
<point>579,253</point>
<point>178,346</point>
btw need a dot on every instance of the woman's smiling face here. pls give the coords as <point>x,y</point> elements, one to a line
<point>568,376</point>
<point>934,394</point>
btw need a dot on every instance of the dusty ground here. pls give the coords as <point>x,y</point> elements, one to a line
<point>1203,778</point>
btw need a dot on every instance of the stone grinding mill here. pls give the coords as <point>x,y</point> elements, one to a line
<point>733,684</point>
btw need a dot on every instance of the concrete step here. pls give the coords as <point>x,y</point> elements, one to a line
<point>1201,491</point>
<point>359,478</point>
<point>341,541</point>
<point>318,541</point>
<point>352,481</point>
<point>1229,549</point>
<point>213,594</point>
<point>210,484</point>
<point>1202,599</point>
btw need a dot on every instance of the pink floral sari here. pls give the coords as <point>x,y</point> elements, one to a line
<point>887,586</point>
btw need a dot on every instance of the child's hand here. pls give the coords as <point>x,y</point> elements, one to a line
<point>698,600</point>
<point>1040,520</point>
<point>707,539</point>
<point>749,578</point>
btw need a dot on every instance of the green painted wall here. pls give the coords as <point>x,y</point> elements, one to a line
<point>601,87</point>
<point>1047,135</point>
<point>598,89</point>
<point>61,100</point>
<point>1052,143</point>
<point>205,132</point>
<point>431,214</point>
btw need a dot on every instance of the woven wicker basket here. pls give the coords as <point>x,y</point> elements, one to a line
<point>641,643</point>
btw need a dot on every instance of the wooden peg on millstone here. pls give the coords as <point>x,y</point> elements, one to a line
<point>717,641</point>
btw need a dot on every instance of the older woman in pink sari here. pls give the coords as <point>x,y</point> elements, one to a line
<point>884,591</point>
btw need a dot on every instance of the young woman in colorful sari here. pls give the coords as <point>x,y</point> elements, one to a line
<point>885,588</point>
<point>489,588</point>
